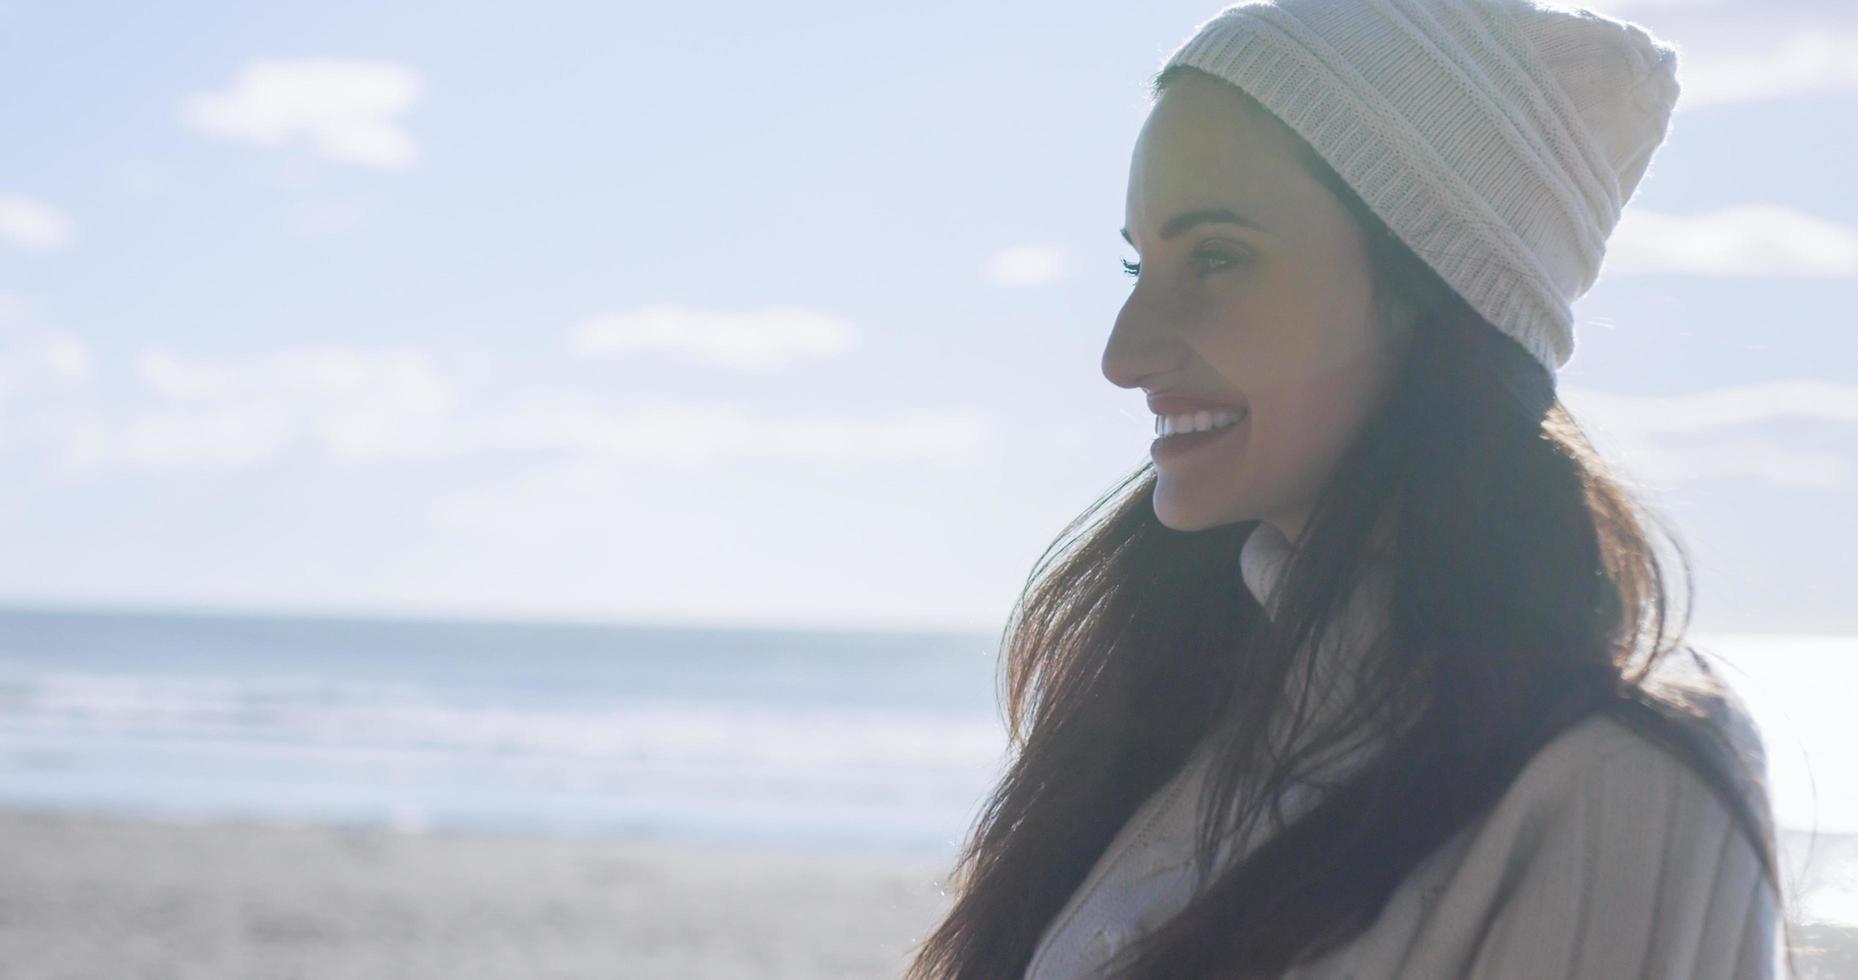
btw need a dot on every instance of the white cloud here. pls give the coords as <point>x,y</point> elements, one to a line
<point>344,111</point>
<point>575,422</point>
<point>1752,240</point>
<point>310,373</point>
<point>1811,63</point>
<point>1747,404</point>
<point>353,406</point>
<point>34,225</point>
<point>1728,458</point>
<point>347,405</point>
<point>1694,436</point>
<point>43,373</point>
<point>174,438</point>
<point>35,358</point>
<point>1026,265</point>
<point>754,340</point>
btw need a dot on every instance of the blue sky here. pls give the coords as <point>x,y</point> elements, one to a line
<point>762,314</point>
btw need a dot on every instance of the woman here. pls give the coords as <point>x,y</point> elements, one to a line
<point>1370,674</point>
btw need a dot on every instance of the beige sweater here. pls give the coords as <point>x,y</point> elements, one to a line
<point>1606,858</point>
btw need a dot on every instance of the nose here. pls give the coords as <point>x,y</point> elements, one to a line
<point>1139,346</point>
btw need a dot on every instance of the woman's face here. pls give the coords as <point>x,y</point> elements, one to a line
<point>1253,296</point>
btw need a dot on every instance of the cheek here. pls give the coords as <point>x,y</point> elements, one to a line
<point>1313,424</point>
<point>1308,343</point>
<point>1312,372</point>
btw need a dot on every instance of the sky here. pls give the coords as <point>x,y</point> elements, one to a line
<point>763,314</point>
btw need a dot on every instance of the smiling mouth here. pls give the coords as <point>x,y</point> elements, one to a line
<point>1187,423</point>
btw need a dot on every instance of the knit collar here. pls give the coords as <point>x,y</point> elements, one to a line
<point>1363,615</point>
<point>1265,556</point>
<point>1262,560</point>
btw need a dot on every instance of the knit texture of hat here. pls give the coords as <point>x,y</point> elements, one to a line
<point>1499,139</point>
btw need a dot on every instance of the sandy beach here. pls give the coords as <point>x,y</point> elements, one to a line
<point>91,898</point>
<point>95,898</point>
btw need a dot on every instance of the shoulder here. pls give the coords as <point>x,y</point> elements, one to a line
<point>1609,851</point>
<point>1607,855</point>
<point>1602,766</point>
<point>1608,798</point>
<point>1626,769</point>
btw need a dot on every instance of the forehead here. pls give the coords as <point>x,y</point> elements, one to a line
<point>1205,142</point>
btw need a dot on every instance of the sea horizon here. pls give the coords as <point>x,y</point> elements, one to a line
<point>845,741</point>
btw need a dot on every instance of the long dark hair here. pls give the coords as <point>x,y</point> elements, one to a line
<point>1526,596</point>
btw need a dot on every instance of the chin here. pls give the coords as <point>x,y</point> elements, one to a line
<point>1180,510</point>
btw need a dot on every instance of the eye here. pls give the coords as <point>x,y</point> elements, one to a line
<point>1218,255</point>
<point>1220,259</point>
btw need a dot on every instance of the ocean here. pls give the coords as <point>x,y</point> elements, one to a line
<point>831,741</point>
<point>837,741</point>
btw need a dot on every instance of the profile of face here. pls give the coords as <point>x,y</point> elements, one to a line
<point>1252,305</point>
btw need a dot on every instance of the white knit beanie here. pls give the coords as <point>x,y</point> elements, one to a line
<point>1499,139</point>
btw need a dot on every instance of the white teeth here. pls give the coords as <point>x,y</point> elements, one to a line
<point>1168,425</point>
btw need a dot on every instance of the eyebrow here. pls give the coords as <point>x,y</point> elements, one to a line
<point>1187,219</point>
